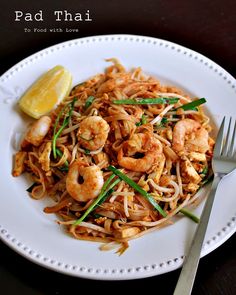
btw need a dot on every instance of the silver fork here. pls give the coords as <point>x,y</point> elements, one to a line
<point>224,162</point>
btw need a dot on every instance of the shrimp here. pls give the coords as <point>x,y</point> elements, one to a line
<point>199,142</point>
<point>91,185</point>
<point>93,133</point>
<point>37,132</point>
<point>189,135</point>
<point>142,143</point>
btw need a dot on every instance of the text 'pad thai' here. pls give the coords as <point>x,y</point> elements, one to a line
<point>120,156</point>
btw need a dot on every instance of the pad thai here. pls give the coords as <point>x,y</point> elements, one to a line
<point>119,157</point>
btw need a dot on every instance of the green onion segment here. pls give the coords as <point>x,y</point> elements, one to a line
<point>66,164</point>
<point>158,100</point>
<point>87,152</point>
<point>104,194</point>
<point>138,189</point>
<point>64,124</point>
<point>192,105</point>
<point>89,101</point>
<point>143,121</point>
<point>205,170</point>
<point>190,215</point>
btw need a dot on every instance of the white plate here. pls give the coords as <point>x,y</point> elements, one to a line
<point>23,225</point>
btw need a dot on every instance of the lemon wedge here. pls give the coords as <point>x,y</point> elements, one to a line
<point>47,92</point>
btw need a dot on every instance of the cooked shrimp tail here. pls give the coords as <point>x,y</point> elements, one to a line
<point>90,185</point>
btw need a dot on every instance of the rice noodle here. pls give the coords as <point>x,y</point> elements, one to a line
<point>72,128</point>
<point>126,210</point>
<point>179,178</point>
<point>167,94</point>
<point>163,220</point>
<point>162,139</point>
<point>160,188</point>
<point>161,115</point>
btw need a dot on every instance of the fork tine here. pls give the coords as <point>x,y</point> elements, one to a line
<point>226,143</point>
<point>219,140</point>
<point>231,149</point>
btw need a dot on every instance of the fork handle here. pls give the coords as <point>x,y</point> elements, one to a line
<point>188,273</point>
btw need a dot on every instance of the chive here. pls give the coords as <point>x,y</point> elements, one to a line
<point>59,153</point>
<point>89,101</point>
<point>101,198</point>
<point>190,215</point>
<point>64,124</point>
<point>138,189</point>
<point>66,164</point>
<point>87,152</point>
<point>57,119</point>
<point>64,168</point>
<point>192,105</point>
<point>106,195</point>
<point>205,170</point>
<point>157,100</point>
<point>29,189</point>
<point>54,140</point>
<point>206,181</point>
<point>143,121</point>
<point>107,182</point>
<point>163,122</point>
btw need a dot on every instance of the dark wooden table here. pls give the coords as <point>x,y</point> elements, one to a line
<point>206,26</point>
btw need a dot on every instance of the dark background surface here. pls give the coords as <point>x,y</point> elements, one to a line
<point>205,26</point>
